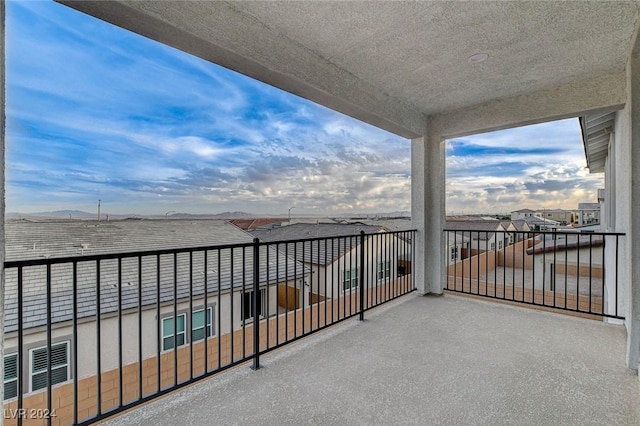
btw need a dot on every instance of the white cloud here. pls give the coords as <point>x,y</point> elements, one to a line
<point>96,112</point>
<point>541,166</point>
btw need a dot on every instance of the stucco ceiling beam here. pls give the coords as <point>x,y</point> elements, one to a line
<point>604,93</point>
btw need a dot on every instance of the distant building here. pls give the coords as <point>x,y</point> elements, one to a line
<point>336,261</point>
<point>588,214</point>
<point>563,217</point>
<point>482,235</point>
<point>537,223</point>
<point>179,298</point>
<point>545,218</point>
<point>516,229</point>
<point>522,214</point>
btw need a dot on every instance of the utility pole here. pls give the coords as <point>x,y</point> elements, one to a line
<point>98,210</point>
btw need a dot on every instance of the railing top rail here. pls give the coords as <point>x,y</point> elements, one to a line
<point>335,237</point>
<point>158,252</point>
<point>536,232</point>
<point>119,255</point>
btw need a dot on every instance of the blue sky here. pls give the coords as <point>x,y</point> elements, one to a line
<point>539,166</point>
<point>95,112</point>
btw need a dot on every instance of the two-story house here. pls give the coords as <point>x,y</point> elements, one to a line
<point>335,258</point>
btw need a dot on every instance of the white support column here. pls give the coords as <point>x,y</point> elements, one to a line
<point>428,210</point>
<point>2,142</point>
<point>633,235</point>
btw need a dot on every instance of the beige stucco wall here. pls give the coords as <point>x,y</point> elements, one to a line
<point>87,332</point>
<point>378,248</point>
<point>633,237</point>
<point>575,261</point>
<point>616,202</point>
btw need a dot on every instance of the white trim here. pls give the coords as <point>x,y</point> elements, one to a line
<point>5,381</point>
<point>67,344</point>
<point>263,305</point>
<point>453,255</point>
<point>175,340</point>
<point>351,278</point>
<point>207,324</point>
<point>384,268</point>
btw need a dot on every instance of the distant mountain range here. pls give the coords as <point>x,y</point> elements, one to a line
<point>58,214</point>
<point>79,214</point>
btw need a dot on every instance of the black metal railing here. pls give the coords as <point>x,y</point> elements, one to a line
<point>568,271</point>
<point>94,335</point>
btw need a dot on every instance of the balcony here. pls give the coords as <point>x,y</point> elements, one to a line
<point>170,319</point>
<point>425,360</point>
<point>572,272</point>
<point>93,330</point>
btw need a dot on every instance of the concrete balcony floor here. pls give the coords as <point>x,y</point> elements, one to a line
<point>425,360</point>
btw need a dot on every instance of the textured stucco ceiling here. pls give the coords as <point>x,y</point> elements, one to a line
<point>393,63</point>
<point>418,52</point>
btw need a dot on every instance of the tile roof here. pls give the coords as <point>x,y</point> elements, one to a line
<point>475,225</point>
<point>35,240</point>
<point>400,224</point>
<point>565,242</point>
<point>312,230</point>
<point>485,228</point>
<point>521,225</point>
<point>61,239</point>
<point>316,252</point>
<point>457,237</point>
<point>539,220</point>
<point>251,224</point>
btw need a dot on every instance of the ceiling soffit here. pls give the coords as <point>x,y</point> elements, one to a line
<point>596,133</point>
<point>393,63</point>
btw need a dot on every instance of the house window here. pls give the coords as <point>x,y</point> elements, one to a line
<point>59,365</point>
<point>454,253</point>
<point>168,340</point>
<point>201,326</point>
<point>499,245</point>
<point>384,270</point>
<point>350,280</point>
<point>10,376</point>
<point>493,246</point>
<point>248,310</point>
<point>403,266</point>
